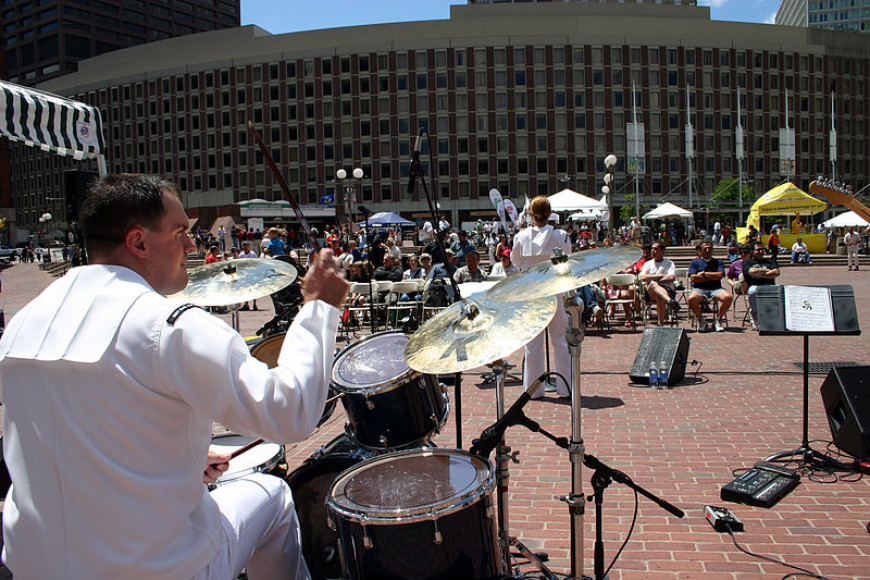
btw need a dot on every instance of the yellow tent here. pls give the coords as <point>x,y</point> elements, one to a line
<point>785,199</point>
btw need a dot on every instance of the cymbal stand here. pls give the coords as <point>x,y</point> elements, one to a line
<point>576,500</point>
<point>503,457</point>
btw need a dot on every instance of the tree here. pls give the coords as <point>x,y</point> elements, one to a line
<point>727,195</point>
<point>626,212</point>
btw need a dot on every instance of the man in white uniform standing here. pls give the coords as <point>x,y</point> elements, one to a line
<point>532,246</point>
<point>109,392</point>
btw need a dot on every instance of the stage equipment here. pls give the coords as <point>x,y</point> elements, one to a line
<point>476,331</point>
<point>553,277</point>
<point>235,281</point>
<point>433,520</point>
<point>658,344</point>
<point>838,312</point>
<point>388,405</point>
<point>762,486</point>
<point>846,395</point>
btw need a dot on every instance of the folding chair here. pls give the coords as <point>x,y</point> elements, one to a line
<point>395,304</point>
<point>620,282</point>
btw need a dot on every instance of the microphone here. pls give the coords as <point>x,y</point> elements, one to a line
<point>415,160</point>
<point>492,435</point>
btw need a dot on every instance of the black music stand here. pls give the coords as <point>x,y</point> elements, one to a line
<point>770,302</point>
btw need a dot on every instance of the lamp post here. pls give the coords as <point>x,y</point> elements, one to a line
<point>349,186</point>
<point>608,190</point>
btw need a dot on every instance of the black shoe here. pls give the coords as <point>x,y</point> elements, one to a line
<point>245,307</point>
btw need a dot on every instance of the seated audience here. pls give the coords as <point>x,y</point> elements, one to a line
<point>706,273</point>
<point>470,272</point>
<point>799,252</point>
<point>659,275</point>
<point>757,271</point>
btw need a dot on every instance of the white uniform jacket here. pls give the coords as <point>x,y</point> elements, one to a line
<point>534,245</point>
<point>108,410</point>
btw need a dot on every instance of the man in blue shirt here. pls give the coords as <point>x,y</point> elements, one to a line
<point>706,273</point>
<point>462,247</point>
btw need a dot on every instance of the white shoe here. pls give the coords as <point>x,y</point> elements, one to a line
<point>597,313</point>
<point>717,324</point>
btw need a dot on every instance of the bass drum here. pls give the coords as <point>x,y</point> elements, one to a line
<point>310,484</point>
<point>267,351</point>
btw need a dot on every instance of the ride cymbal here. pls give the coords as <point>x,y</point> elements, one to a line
<point>578,269</point>
<point>234,281</point>
<point>475,332</point>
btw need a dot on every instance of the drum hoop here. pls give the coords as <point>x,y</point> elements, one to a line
<point>368,389</point>
<point>398,516</point>
<point>267,466</point>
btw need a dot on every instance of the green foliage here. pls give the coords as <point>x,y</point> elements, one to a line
<point>727,195</point>
<point>626,212</point>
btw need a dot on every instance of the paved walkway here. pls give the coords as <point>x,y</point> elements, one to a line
<point>741,402</point>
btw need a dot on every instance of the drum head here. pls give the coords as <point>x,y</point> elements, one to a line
<point>370,362</point>
<point>268,349</point>
<point>263,457</point>
<point>407,484</point>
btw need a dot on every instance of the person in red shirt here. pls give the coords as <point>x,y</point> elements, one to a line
<point>212,255</point>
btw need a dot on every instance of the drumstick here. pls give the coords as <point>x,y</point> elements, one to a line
<point>241,450</point>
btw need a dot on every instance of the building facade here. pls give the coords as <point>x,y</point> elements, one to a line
<point>528,98</point>
<point>47,38</point>
<point>849,15</point>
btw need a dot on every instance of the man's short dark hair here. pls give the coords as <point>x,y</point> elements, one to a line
<point>119,202</point>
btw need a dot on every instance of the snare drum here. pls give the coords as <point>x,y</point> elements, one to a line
<point>388,405</point>
<point>421,514</point>
<point>267,351</point>
<point>265,457</point>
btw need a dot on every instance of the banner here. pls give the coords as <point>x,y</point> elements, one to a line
<point>511,210</point>
<point>501,215</point>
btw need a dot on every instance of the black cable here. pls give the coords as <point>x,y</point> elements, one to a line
<point>803,571</point>
<point>627,536</point>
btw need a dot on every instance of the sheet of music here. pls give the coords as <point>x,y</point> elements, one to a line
<point>808,309</point>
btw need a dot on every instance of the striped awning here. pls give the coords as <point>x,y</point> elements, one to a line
<point>50,122</point>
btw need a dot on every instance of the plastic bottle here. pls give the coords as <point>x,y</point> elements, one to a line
<point>653,376</point>
<point>663,376</point>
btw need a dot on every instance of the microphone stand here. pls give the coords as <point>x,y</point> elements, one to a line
<point>416,171</point>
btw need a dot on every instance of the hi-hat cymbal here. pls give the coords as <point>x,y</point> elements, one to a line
<point>578,269</point>
<point>234,281</point>
<point>475,332</point>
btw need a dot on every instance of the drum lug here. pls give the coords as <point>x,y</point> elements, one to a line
<point>438,537</point>
<point>367,541</point>
<point>370,403</point>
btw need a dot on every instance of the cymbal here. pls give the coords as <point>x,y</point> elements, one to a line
<point>549,279</point>
<point>475,332</point>
<point>234,281</point>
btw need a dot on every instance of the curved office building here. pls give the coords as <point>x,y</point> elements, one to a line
<point>526,97</point>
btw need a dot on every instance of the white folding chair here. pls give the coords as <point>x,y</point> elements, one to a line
<point>621,282</point>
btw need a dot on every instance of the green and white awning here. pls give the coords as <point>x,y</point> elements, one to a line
<point>50,122</point>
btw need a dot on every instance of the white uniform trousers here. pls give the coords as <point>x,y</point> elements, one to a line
<point>260,529</point>
<point>852,256</point>
<point>536,362</point>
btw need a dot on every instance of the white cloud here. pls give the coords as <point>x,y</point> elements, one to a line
<point>771,18</point>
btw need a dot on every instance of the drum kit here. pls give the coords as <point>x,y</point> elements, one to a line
<point>380,500</point>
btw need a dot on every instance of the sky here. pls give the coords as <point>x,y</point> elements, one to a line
<point>279,17</point>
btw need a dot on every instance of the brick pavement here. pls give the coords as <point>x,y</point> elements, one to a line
<point>739,404</point>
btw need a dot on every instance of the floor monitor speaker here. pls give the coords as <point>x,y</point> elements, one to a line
<point>658,344</point>
<point>846,395</point>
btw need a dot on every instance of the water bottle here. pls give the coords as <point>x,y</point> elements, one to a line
<point>653,376</point>
<point>663,376</point>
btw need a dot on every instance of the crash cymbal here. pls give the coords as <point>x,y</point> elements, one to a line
<point>578,269</point>
<point>234,281</point>
<point>475,332</point>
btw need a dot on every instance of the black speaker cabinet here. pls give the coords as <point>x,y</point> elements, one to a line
<point>846,394</point>
<point>658,344</point>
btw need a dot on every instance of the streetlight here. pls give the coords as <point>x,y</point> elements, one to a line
<point>349,184</point>
<point>608,190</point>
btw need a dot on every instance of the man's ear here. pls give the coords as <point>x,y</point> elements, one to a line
<point>136,242</point>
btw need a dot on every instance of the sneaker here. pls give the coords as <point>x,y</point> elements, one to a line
<point>675,306</point>
<point>850,268</point>
<point>754,325</point>
<point>703,326</point>
<point>597,313</point>
<point>717,324</point>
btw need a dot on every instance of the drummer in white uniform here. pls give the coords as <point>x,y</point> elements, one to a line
<point>109,392</point>
<point>532,246</point>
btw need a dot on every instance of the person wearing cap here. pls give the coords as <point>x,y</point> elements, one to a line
<point>532,246</point>
<point>504,267</point>
<point>462,247</point>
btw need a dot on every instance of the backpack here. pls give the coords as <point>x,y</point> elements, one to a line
<point>437,295</point>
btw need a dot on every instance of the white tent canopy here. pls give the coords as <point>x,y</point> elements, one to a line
<point>845,220</point>
<point>589,215</point>
<point>567,200</point>
<point>668,210</point>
